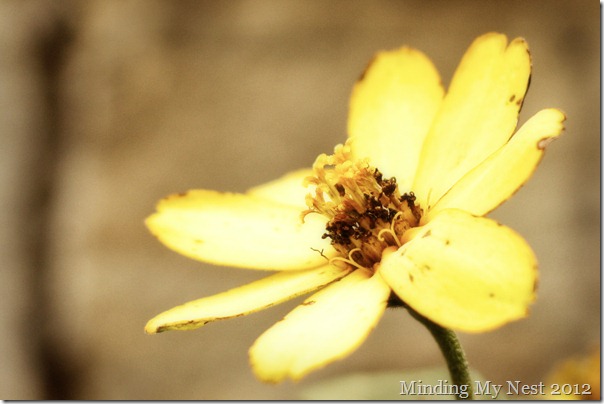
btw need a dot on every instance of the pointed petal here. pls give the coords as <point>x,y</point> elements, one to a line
<point>463,272</point>
<point>288,190</point>
<point>479,114</point>
<point>239,230</point>
<point>244,300</point>
<point>328,326</point>
<point>391,110</point>
<point>497,178</point>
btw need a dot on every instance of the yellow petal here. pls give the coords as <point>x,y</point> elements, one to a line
<point>287,190</point>
<point>240,230</point>
<point>479,114</point>
<point>497,178</point>
<point>244,300</point>
<point>328,326</point>
<point>463,272</point>
<point>391,110</point>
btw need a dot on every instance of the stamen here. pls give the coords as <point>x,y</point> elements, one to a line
<point>391,230</point>
<point>381,237</point>
<point>349,260</point>
<point>366,212</point>
<point>320,252</point>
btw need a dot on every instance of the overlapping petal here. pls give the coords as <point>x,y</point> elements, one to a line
<point>244,300</point>
<point>497,178</point>
<point>478,115</point>
<point>391,110</point>
<point>327,326</point>
<point>288,190</point>
<point>463,272</point>
<point>240,230</point>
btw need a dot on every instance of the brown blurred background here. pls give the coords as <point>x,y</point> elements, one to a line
<point>107,106</point>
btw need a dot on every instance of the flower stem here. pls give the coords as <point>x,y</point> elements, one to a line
<point>453,353</point>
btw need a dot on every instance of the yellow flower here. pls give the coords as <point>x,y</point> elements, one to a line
<point>394,215</point>
<point>576,378</point>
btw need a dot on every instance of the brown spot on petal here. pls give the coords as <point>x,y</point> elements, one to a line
<point>542,144</point>
<point>512,98</point>
<point>427,234</point>
<point>309,303</point>
<point>364,72</point>
<point>410,278</point>
<point>176,196</point>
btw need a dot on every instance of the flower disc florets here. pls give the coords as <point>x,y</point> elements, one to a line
<point>366,211</point>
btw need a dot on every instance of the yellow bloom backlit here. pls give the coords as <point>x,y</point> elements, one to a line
<point>394,216</point>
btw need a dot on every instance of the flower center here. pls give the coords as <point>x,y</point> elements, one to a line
<point>366,211</point>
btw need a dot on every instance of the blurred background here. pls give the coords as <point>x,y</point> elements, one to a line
<point>107,106</point>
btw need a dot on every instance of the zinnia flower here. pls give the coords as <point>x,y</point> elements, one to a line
<point>394,216</point>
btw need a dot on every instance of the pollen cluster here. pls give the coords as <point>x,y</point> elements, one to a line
<point>366,211</point>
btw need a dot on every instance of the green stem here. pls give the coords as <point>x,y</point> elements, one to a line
<point>453,353</point>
